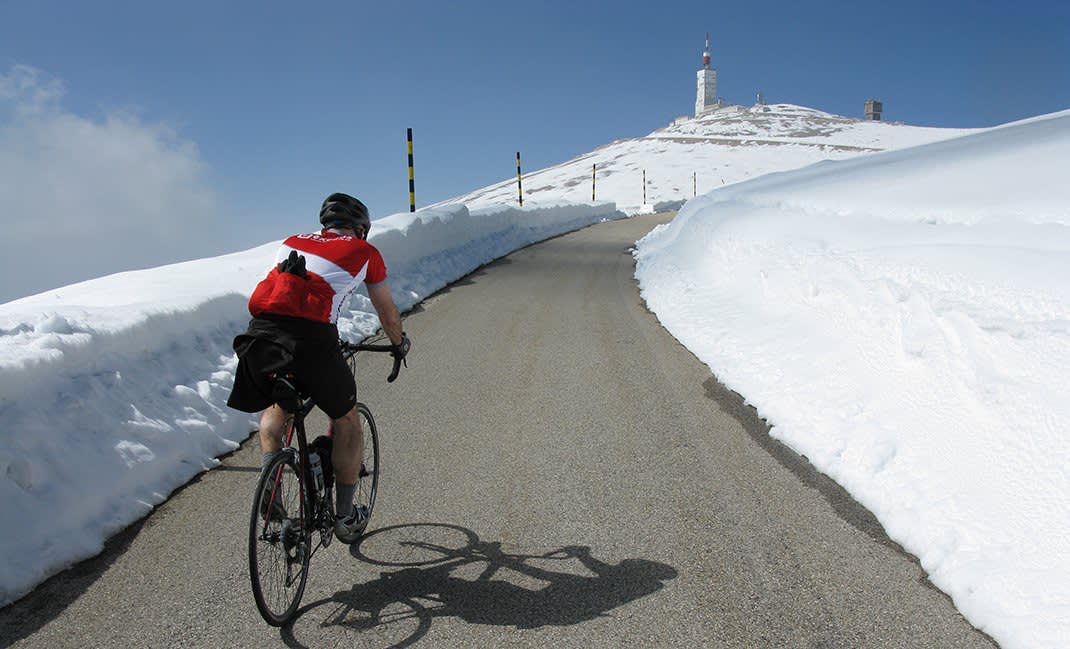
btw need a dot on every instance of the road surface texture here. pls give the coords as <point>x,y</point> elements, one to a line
<point>557,472</point>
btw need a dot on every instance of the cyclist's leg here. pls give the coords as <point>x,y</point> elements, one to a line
<point>272,428</point>
<point>346,456</point>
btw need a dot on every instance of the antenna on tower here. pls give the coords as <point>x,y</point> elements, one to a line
<point>706,53</point>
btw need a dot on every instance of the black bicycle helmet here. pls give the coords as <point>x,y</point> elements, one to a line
<point>342,210</point>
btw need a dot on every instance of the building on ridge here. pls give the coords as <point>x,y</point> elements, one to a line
<point>873,110</point>
<point>706,97</point>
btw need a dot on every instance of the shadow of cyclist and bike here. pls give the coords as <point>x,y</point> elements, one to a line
<point>433,570</point>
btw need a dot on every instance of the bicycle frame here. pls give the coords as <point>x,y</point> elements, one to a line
<point>312,503</point>
<point>315,503</point>
<point>314,511</point>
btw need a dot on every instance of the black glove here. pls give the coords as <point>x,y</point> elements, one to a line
<point>402,349</point>
<point>294,264</point>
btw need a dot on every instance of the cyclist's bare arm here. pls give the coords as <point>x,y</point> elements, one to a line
<point>383,302</point>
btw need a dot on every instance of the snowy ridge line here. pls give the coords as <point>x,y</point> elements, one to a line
<point>696,156</point>
<point>748,141</point>
<point>114,390</point>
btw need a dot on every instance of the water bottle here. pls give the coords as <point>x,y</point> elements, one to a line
<point>317,470</point>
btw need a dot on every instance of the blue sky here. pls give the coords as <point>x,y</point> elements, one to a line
<point>269,106</point>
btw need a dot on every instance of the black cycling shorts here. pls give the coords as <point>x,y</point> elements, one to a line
<point>309,350</point>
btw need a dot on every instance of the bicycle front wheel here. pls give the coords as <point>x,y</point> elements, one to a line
<point>279,541</point>
<point>368,486</point>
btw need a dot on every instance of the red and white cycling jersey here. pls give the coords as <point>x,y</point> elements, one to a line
<point>336,265</point>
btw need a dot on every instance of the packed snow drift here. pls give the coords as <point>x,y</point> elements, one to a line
<point>903,321</point>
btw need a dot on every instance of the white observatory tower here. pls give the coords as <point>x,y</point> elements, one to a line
<point>706,97</point>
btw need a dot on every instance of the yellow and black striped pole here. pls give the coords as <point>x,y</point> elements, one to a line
<point>694,183</point>
<point>412,178</point>
<point>644,186</point>
<point>594,170</point>
<point>519,184</point>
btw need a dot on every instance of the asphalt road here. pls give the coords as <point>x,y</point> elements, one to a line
<point>574,478</point>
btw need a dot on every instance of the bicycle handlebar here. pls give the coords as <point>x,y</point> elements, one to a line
<point>352,348</point>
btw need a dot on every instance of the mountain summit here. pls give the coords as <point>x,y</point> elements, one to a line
<point>694,155</point>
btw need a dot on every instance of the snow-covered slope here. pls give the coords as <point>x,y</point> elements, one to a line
<point>697,155</point>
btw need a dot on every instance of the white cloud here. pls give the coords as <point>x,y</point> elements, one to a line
<point>81,197</point>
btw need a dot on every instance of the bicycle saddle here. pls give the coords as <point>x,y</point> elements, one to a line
<point>284,392</point>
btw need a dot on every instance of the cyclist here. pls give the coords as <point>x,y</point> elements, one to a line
<point>293,330</point>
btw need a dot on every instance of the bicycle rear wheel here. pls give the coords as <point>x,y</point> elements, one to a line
<point>368,487</point>
<point>279,542</point>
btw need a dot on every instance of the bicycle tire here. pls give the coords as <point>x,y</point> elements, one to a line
<point>368,485</point>
<point>280,542</point>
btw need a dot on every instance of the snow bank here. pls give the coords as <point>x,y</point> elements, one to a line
<point>903,320</point>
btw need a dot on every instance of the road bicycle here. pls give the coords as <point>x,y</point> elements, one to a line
<point>293,505</point>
